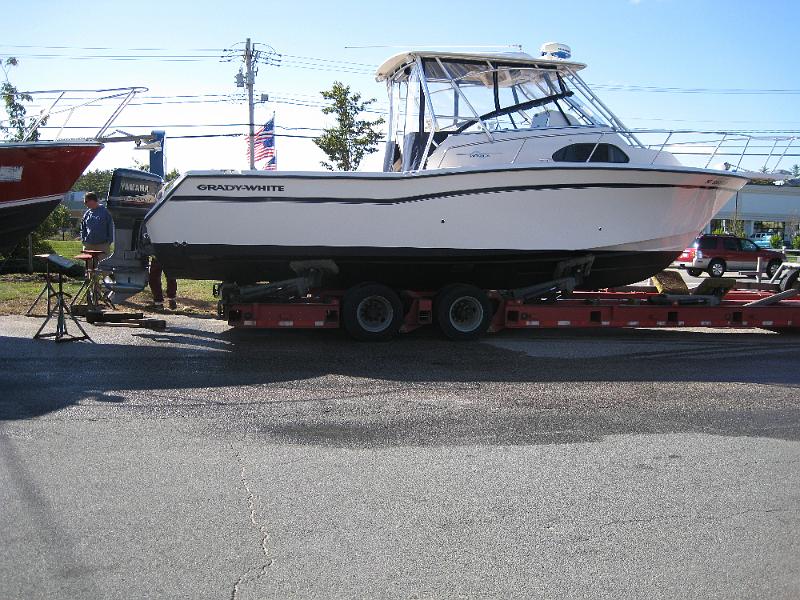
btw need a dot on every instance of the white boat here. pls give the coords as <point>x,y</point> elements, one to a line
<point>498,168</point>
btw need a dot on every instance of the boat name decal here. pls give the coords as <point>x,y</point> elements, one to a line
<point>10,173</point>
<point>229,187</point>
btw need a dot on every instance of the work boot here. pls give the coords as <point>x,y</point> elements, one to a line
<point>158,305</point>
<point>172,304</point>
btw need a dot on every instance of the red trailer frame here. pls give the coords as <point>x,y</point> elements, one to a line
<point>321,309</point>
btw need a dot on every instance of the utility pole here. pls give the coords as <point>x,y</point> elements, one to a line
<point>248,59</point>
<point>247,79</point>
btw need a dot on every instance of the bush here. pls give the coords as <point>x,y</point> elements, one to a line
<point>40,246</point>
<point>796,242</point>
<point>776,241</point>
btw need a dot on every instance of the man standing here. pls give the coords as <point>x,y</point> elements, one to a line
<point>97,226</point>
<point>158,290</point>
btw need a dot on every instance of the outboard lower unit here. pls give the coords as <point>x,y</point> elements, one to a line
<point>131,195</point>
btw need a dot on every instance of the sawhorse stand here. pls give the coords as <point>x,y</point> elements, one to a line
<point>56,307</point>
<point>92,290</point>
<point>48,288</point>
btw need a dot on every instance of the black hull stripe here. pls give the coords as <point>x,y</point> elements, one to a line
<point>448,194</point>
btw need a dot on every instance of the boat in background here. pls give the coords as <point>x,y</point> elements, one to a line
<point>35,175</point>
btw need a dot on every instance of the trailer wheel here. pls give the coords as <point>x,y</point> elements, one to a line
<point>790,281</point>
<point>716,268</point>
<point>372,312</point>
<point>694,272</point>
<point>463,312</point>
<point>772,267</point>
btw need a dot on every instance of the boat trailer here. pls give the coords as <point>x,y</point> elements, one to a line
<point>716,303</point>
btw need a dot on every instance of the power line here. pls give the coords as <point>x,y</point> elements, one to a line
<point>109,48</point>
<point>677,90</point>
<point>338,65</point>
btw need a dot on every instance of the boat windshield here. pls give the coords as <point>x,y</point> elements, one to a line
<point>468,95</point>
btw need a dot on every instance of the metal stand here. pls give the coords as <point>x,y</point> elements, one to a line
<point>91,290</point>
<point>60,311</point>
<point>47,289</point>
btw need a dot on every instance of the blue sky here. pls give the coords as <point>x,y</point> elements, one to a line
<point>711,45</point>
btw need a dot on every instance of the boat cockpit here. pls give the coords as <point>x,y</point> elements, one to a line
<point>440,101</point>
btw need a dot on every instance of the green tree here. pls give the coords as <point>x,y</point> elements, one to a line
<point>732,227</point>
<point>352,138</point>
<point>61,220</point>
<point>169,176</point>
<point>13,100</point>
<point>795,170</point>
<point>97,180</point>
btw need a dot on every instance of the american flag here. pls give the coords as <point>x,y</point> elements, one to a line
<point>264,148</point>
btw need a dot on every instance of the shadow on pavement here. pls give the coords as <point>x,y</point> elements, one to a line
<point>516,388</point>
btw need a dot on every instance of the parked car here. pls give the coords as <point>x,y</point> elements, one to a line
<point>719,253</point>
<point>763,239</point>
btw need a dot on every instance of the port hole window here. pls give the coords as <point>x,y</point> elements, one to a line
<point>607,153</point>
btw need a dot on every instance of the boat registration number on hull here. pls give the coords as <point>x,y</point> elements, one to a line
<point>11,174</point>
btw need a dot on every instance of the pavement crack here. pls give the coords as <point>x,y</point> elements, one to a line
<point>259,570</point>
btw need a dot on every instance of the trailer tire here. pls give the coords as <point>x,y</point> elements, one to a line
<point>694,272</point>
<point>772,267</point>
<point>463,312</point>
<point>790,281</point>
<point>372,312</point>
<point>717,267</point>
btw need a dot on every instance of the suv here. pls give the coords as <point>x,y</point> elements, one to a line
<point>719,253</point>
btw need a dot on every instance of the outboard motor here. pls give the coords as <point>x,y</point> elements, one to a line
<point>131,195</point>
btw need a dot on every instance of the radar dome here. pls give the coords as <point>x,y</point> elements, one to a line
<point>555,50</point>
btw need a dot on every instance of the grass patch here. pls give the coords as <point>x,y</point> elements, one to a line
<point>68,248</point>
<point>18,292</point>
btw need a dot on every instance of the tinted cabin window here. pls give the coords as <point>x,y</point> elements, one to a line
<point>730,243</point>
<point>581,152</point>
<point>707,244</point>
<point>748,246</point>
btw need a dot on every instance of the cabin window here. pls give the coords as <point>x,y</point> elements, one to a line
<point>607,153</point>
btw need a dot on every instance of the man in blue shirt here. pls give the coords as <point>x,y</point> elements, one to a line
<point>97,226</point>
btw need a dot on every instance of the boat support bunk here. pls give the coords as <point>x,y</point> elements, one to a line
<point>373,312</point>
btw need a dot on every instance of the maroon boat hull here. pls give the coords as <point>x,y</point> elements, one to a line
<point>34,177</point>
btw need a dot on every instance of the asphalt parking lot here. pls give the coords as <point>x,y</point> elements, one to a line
<point>208,463</point>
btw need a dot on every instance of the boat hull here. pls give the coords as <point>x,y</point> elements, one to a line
<point>34,177</point>
<point>405,268</point>
<point>494,228</point>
